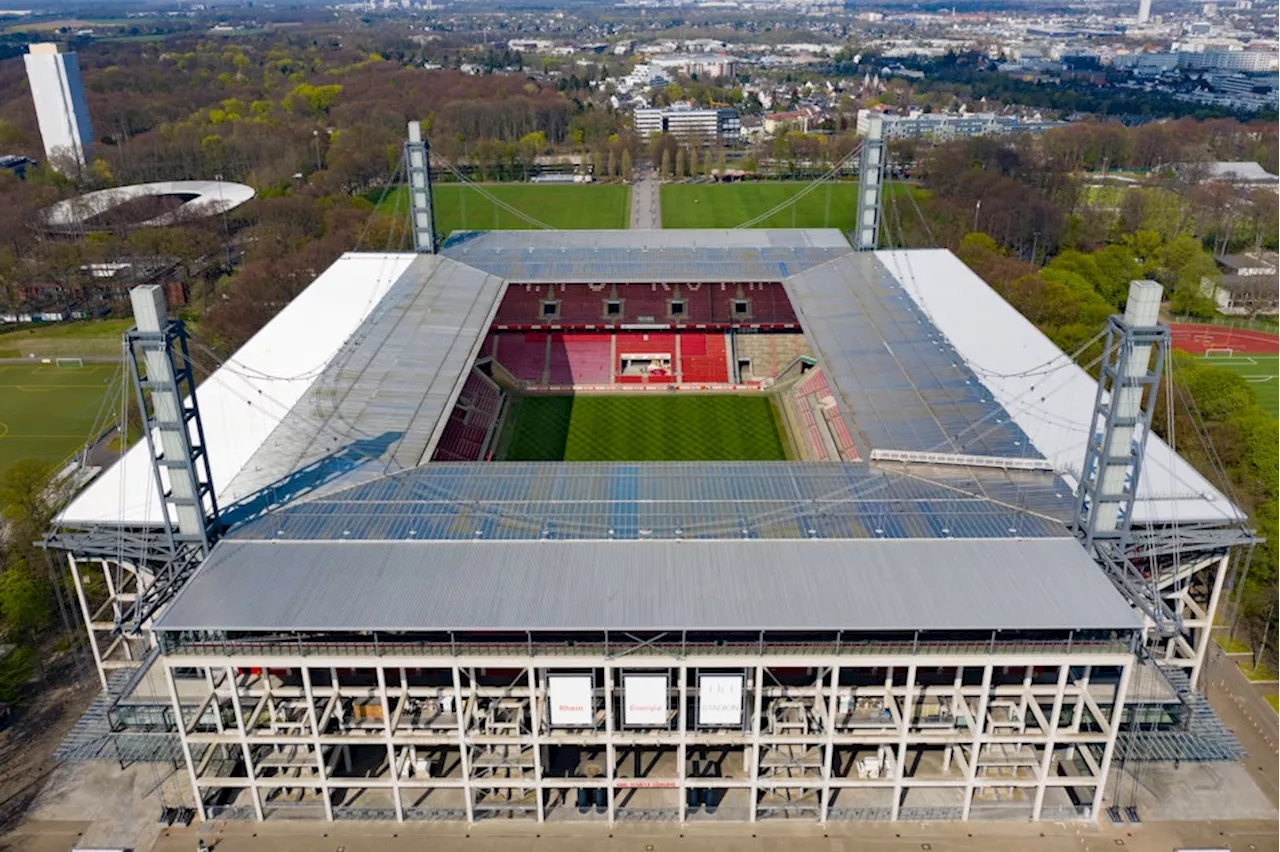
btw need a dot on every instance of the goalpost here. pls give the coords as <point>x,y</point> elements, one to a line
<point>68,362</point>
<point>1219,353</point>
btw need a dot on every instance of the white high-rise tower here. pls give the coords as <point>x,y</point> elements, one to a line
<point>60,106</point>
<point>1144,11</point>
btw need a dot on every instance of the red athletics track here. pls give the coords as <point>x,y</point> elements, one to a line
<point>1197,338</point>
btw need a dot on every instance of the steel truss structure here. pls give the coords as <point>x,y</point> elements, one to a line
<point>295,728</point>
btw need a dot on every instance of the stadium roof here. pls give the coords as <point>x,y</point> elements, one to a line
<point>201,198</point>
<point>351,383</point>
<point>620,257</point>
<point>1045,393</point>
<point>246,398</point>
<point>1047,584</point>
<point>673,500</point>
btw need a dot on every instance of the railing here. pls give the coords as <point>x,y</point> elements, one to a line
<point>860,814</point>
<point>230,812</point>
<point>677,650</point>
<point>366,813</point>
<point>647,814</point>
<point>1065,813</point>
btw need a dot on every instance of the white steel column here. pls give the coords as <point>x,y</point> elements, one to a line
<point>900,771</point>
<point>462,744</point>
<point>1117,713</point>
<point>391,749</point>
<point>316,747</point>
<point>182,737</point>
<point>1055,715</point>
<point>1206,635</point>
<point>88,620</point>
<point>979,734</point>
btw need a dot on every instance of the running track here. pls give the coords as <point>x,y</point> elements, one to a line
<point>1197,338</point>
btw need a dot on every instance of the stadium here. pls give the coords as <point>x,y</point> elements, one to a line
<point>650,525</point>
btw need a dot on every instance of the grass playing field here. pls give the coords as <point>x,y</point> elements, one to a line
<point>87,339</point>
<point>642,428</point>
<point>727,205</point>
<point>1262,372</point>
<point>47,412</point>
<point>462,208</point>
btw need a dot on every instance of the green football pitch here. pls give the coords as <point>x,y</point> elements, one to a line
<point>1262,372</point>
<point>463,208</point>
<point>47,412</point>
<point>727,205</point>
<point>687,427</point>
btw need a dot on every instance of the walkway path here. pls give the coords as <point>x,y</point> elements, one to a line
<point>646,206</point>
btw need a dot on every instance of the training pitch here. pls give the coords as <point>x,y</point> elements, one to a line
<point>463,208</point>
<point>686,427</point>
<point>727,205</point>
<point>1262,372</point>
<point>47,412</point>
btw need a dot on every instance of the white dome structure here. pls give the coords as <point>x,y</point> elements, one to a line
<point>202,198</point>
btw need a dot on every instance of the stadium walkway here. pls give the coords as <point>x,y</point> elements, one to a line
<point>646,206</point>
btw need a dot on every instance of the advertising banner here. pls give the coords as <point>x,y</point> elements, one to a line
<point>644,700</point>
<point>720,700</point>
<point>570,700</point>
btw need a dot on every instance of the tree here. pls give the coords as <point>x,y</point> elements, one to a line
<point>679,163</point>
<point>626,164</point>
<point>24,603</point>
<point>665,169</point>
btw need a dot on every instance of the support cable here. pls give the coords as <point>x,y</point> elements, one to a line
<point>755,220</point>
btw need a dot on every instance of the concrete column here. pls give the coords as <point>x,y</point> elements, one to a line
<point>682,749</point>
<point>1108,750</point>
<point>1046,763</point>
<point>535,724</point>
<point>391,749</point>
<point>828,758</point>
<point>758,704</point>
<point>979,735</point>
<point>899,771</point>
<point>610,748</point>
<point>88,620</point>
<point>244,742</point>
<point>1206,635</point>
<point>316,747</point>
<point>462,745</point>
<point>186,746</point>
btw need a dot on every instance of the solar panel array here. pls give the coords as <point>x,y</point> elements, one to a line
<point>706,500</point>
<point>675,264</point>
<point>905,385</point>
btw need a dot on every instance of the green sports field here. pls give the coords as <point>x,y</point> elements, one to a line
<point>47,412</point>
<point>1262,372</point>
<point>727,205</point>
<point>687,427</point>
<point>463,208</point>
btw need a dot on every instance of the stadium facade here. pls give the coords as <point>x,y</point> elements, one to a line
<point>374,619</point>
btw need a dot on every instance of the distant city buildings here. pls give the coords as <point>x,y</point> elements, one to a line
<point>1144,11</point>
<point>708,66</point>
<point>61,110</point>
<point>713,125</point>
<point>941,126</point>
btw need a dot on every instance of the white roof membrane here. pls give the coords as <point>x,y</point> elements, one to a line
<point>245,399</point>
<point>1047,395</point>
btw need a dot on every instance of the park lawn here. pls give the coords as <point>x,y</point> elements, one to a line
<point>1258,672</point>
<point>1274,700</point>
<point>575,207</point>
<point>1232,646</point>
<point>1262,372</point>
<point>47,412</point>
<point>82,339</point>
<point>685,427</point>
